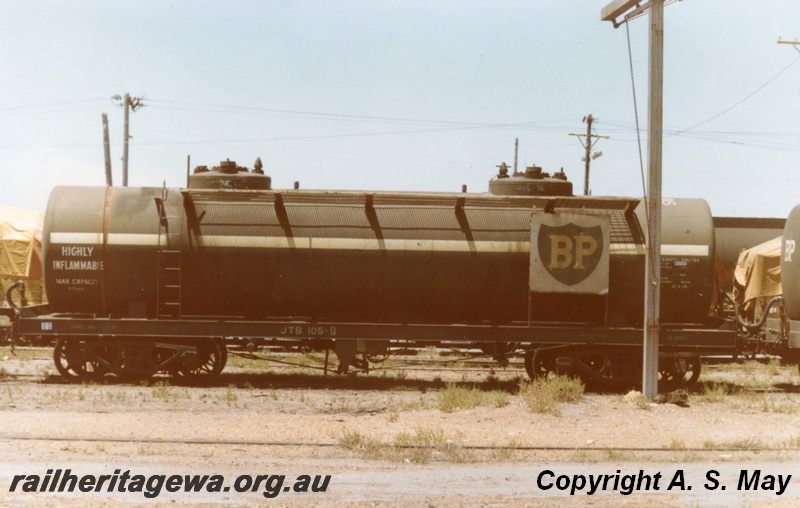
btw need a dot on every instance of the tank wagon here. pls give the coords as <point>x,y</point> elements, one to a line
<point>782,327</point>
<point>142,280</point>
<point>736,234</point>
<point>790,269</point>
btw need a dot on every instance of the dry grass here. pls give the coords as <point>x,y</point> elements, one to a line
<point>454,397</point>
<point>421,446</point>
<point>739,444</point>
<point>544,395</point>
<point>364,446</point>
<point>713,393</point>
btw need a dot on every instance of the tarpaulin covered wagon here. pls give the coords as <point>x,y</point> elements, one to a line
<point>21,251</point>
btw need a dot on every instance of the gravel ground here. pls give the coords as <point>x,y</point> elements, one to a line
<point>273,421</point>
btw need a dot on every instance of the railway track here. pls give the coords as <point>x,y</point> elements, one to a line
<point>334,444</point>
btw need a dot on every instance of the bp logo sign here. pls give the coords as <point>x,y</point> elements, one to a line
<point>570,255</point>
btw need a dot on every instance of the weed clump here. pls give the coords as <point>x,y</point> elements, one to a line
<point>543,395</point>
<point>421,446</point>
<point>365,446</point>
<point>714,393</point>
<point>455,397</point>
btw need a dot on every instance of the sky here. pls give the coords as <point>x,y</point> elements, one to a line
<point>400,95</point>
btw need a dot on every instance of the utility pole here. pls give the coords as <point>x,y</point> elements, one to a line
<point>125,138</point>
<point>128,103</point>
<point>588,145</point>
<point>795,44</point>
<point>107,150</point>
<point>652,278</point>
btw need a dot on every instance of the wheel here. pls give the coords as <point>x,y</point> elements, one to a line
<point>209,360</point>
<point>678,372</point>
<point>60,359</point>
<point>539,363</point>
<point>74,359</point>
<point>528,361</point>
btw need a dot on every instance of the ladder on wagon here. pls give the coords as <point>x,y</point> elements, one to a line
<point>168,298</point>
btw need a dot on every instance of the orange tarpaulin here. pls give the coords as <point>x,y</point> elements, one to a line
<point>758,275</point>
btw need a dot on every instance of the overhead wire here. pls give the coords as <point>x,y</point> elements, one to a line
<point>741,101</point>
<point>636,116</point>
<point>719,136</point>
<point>738,138</point>
<point>321,136</point>
<point>4,111</point>
<point>192,106</point>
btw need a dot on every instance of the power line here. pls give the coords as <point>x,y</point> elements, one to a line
<point>321,136</point>
<point>758,139</point>
<point>707,135</point>
<point>51,104</point>
<point>740,102</point>
<point>341,116</point>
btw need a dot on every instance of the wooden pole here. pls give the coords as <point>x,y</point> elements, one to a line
<point>587,145</point>
<point>588,155</point>
<point>516,153</point>
<point>107,150</point>
<point>126,105</point>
